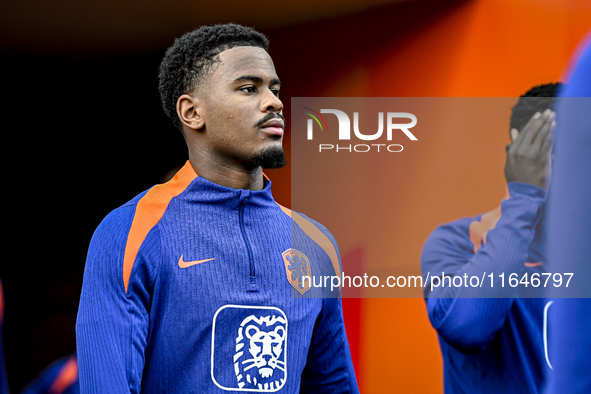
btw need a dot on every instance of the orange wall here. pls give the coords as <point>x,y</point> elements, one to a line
<point>489,48</point>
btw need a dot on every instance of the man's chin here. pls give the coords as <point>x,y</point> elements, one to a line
<point>272,157</point>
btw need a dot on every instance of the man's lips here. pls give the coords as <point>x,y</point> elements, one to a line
<point>274,126</point>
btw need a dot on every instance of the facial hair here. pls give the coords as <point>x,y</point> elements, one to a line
<point>272,157</point>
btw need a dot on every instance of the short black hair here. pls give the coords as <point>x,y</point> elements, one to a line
<point>189,58</point>
<point>539,98</point>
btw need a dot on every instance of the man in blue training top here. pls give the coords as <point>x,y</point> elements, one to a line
<point>496,344</point>
<point>195,285</point>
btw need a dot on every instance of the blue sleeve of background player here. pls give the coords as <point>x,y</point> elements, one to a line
<point>60,377</point>
<point>112,325</point>
<point>569,224</point>
<point>329,367</point>
<point>469,324</point>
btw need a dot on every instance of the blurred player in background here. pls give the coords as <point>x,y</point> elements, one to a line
<point>60,377</point>
<point>189,287</point>
<point>495,345</point>
<point>569,228</point>
<point>3,379</point>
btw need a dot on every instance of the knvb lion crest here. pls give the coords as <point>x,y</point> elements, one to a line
<point>297,266</point>
<point>259,362</point>
<point>249,348</point>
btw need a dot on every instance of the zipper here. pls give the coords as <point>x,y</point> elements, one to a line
<point>252,283</point>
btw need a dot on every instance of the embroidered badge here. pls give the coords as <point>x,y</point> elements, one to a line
<point>298,270</point>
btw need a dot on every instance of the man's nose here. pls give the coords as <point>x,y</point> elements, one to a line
<point>271,103</point>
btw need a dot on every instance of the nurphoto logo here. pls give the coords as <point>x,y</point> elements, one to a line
<point>344,133</point>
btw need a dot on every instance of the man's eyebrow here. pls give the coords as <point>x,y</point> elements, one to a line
<point>255,79</point>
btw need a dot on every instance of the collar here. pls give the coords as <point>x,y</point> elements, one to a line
<point>210,191</point>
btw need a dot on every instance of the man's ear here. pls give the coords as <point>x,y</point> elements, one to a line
<point>190,111</point>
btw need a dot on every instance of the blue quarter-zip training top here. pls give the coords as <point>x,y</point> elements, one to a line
<point>193,287</point>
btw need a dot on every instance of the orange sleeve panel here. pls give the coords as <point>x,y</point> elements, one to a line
<point>149,211</point>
